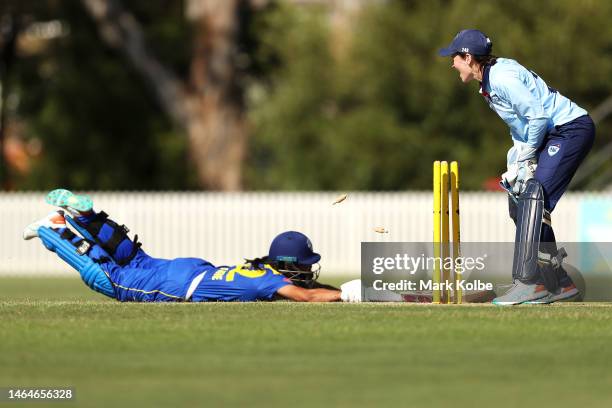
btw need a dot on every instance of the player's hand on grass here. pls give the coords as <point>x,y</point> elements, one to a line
<point>351,291</point>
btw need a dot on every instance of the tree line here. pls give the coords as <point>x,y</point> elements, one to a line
<point>272,95</point>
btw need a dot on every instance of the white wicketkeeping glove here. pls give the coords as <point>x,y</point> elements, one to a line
<point>509,177</point>
<point>526,171</point>
<point>351,291</point>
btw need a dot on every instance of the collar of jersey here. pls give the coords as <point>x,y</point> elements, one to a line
<point>485,80</point>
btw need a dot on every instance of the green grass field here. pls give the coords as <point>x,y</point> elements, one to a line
<point>55,332</point>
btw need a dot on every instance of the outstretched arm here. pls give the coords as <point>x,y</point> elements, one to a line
<point>298,294</point>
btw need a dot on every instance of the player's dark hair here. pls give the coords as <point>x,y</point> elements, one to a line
<point>485,60</point>
<point>257,262</point>
<point>288,269</point>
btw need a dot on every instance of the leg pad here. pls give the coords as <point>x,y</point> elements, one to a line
<point>91,272</point>
<point>529,217</point>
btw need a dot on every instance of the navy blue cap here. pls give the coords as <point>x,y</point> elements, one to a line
<point>293,246</point>
<point>473,41</point>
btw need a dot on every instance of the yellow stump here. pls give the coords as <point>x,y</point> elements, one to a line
<point>444,176</point>
<point>454,182</point>
<point>436,229</point>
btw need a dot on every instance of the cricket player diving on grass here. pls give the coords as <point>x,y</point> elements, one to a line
<point>551,136</point>
<point>111,263</point>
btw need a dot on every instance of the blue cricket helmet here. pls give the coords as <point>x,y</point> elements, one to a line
<point>294,247</point>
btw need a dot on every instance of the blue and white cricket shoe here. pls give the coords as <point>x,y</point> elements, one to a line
<point>54,220</point>
<point>76,205</point>
<point>521,293</point>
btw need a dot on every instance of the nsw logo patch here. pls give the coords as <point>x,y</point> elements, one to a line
<point>554,149</point>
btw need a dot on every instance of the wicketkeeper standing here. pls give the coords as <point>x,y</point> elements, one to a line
<point>552,136</point>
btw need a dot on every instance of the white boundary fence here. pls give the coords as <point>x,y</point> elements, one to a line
<point>224,228</point>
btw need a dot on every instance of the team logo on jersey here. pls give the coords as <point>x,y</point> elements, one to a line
<point>554,149</point>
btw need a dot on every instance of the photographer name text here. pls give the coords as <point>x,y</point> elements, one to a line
<point>404,285</point>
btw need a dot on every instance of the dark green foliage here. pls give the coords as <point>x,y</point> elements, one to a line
<point>369,110</point>
<point>98,122</point>
<point>376,114</point>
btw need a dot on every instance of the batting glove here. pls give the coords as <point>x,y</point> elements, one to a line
<point>351,291</point>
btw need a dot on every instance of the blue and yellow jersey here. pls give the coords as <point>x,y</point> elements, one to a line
<point>147,279</point>
<point>240,283</point>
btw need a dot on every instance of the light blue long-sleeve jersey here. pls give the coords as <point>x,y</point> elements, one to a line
<point>524,101</point>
